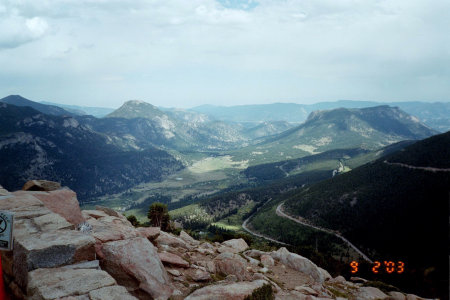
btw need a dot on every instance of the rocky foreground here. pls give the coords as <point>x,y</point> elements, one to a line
<point>61,252</point>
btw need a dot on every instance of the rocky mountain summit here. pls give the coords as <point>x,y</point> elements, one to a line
<point>62,252</point>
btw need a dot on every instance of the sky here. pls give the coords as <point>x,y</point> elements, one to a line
<point>184,53</point>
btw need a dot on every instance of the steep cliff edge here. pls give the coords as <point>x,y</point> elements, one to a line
<point>61,252</point>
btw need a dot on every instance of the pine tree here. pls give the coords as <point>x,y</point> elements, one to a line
<point>159,215</point>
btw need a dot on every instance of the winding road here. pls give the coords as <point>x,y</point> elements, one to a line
<point>431,169</point>
<point>280,213</point>
<point>244,226</point>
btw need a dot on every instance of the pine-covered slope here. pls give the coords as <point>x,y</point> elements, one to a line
<point>395,207</point>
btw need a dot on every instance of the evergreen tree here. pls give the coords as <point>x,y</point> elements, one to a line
<point>158,215</point>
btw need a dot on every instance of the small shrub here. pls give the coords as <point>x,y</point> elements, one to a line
<point>133,220</point>
<point>263,293</point>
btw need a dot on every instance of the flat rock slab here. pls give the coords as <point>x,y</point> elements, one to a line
<point>64,202</point>
<point>58,282</point>
<point>92,264</point>
<point>107,229</point>
<point>49,250</point>
<point>135,264</point>
<point>24,205</point>
<point>232,291</point>
<point>173,259</point>
<point>167,239</point>
<point>114,292</point>
<point>52,221</point>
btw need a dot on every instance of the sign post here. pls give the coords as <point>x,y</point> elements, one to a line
<point>6,242</point>
<point>6,230</point>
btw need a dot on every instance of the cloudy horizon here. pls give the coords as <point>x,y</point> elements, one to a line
<point>177,53</point>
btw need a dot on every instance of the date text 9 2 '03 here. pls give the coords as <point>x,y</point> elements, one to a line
<point>387,266</point>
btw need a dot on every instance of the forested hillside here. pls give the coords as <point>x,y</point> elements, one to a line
<point>393,210</point>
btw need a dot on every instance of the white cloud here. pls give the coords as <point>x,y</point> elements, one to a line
<point>36,26</point>
<point>16,30</point>
<point>190,52</point>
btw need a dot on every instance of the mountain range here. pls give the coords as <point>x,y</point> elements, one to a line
<point>35,145</point>
<point>52,139</point>
<point>435,115</point>
<point>342,128</point>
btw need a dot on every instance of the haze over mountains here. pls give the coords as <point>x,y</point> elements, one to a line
<point>55,139</point>
<point>434,115</point>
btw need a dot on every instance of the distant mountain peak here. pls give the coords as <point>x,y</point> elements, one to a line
<point>14,97</point>
<point>18,100</point>
<point>132,109</point>
<point>136,102</point>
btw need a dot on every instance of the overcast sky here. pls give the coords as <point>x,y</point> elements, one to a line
<point>183,53</point>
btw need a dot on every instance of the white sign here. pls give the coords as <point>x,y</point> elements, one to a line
<point>6,230</point>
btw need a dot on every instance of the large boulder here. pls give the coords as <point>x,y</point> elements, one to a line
<point>135,264</point>
<point>41,185</point>
<point>167,239</point>
<point>58,282</point>
<point>231,264</point>
<point>237,244</point>
<point>298,263</point>
<point>49,250</point>
<point>230,291</point>
<point>63,202</point>
<point>267,260</point>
